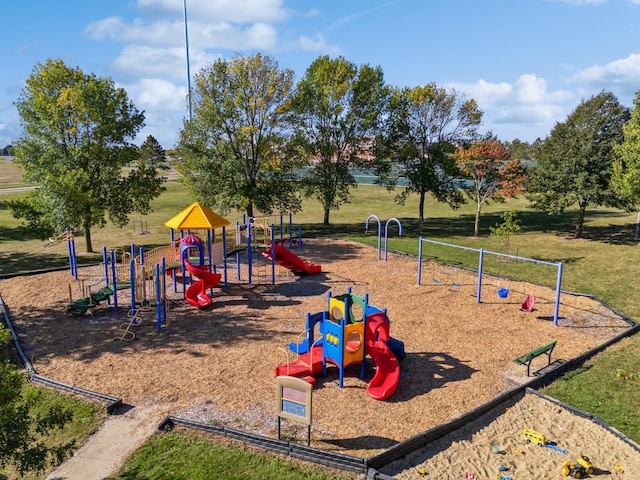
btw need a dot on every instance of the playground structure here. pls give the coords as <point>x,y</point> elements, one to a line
<point>193,257</point>
<point>503,291</point>
<point>346,338</point>
<point>145,282</point>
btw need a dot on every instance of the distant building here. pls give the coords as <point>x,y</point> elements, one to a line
<point>7,151</point>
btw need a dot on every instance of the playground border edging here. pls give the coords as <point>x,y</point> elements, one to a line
<point>302,452</point>
<point>113,403</point>
<point>367,465</point>
<point>404,448</point>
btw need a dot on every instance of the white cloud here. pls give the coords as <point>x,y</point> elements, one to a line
<point>316,44</point>
<point>622,71</point>
<point>141,61</point>
<point>237,11</point>
<point>157,94</point>
<point>164,104</point>
<point>527,105</point>
<point>228,36</point>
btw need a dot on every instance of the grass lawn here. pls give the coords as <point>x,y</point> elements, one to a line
<point>604,263</point>
<point>87,417</point>
<point>190,456</point>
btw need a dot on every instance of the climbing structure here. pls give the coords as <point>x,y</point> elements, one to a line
<point>348,332</point>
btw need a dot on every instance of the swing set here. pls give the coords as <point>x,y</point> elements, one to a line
<point>503,292</point>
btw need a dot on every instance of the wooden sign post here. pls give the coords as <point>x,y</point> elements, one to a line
<point>294,401</point>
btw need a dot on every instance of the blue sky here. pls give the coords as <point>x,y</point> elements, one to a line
<point>528,63</point>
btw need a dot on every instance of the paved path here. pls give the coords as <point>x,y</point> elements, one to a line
<point>106,449</point>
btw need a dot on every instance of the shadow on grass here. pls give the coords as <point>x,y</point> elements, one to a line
<point>461,225</point>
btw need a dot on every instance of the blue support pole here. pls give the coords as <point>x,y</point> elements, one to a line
<point>386,234</point>
<point>249,257</point>
<point>420,261</point>
<point>132,275</point>
<point>224,255</point>
<point>158,298</point>
<point>299,237</point>
<point>479,289</point>
<point>173,271</point>
<point>164,290</point>
<point>105,262</point>
<point>273,253</point>
<point>115,279</point>
<point>290,230</point>
<point>558,284</point>
<point>366,230</point>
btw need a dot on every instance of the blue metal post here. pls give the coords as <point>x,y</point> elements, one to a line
<point>558,286</point>
<point>132,274</point>
<point>479,290</point>
<point>115,280</point>
<point>273,255</point>
<point>420,261</point>
<point>366,230</point>
<point>386,234</point>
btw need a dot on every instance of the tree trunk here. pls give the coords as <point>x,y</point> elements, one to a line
<point>250,210</point>
<point>326,217</point>
<point>476,226</point>
<point>421,206</point>
<point>87,240</point>
<point>580,222</point>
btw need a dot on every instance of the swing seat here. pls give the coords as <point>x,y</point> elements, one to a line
<point>503,292</point>
<point>529,304</point>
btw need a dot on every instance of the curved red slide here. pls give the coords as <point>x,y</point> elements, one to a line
<point>196,294</point>
<point>290,260</point>
<point>385,381</point>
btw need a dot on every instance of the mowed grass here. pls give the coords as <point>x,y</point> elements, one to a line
<point>87,417</point>
<point>190,456</point>
<point>10,174</point>
<point>605,263</point>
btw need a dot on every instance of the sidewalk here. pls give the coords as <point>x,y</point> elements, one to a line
<point>105,450</point>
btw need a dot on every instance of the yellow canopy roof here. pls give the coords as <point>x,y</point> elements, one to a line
<point>197,217</point>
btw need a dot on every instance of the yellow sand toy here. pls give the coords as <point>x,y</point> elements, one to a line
<point>582,467</point>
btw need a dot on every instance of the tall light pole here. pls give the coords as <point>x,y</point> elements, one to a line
<point>186,42</point>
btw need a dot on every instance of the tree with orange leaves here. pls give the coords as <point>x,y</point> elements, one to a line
<point>490,174</point>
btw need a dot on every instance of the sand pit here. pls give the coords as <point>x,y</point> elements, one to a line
<point>217,364</point>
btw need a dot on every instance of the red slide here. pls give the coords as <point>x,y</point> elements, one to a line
<point>196,294</point>
<point>385,380</point>
<point>291,261</point>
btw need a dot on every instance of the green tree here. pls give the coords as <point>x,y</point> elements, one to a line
<point>22,430</point>
<point>626,166</point>
<point>574,165</point>
<point>234,149</point>
<point>509,227</point>
<point>490,174</point>
<point>424,126</point>
<point>77,138</point>
<point>338,108</point>
<point>153,154</point>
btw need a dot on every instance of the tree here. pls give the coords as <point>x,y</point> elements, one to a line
<point>424,126</point>
<point>22,429</point>
<point>77,138</point>
<point>338,108</point>
<point>574,164</point>
<point>626,166</point>
<point>509,227</point>
<point>234,149</point>
<point>490,172</point>
<point>153,154</point>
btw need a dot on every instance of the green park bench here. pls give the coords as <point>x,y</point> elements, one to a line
<point>528,357</point>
